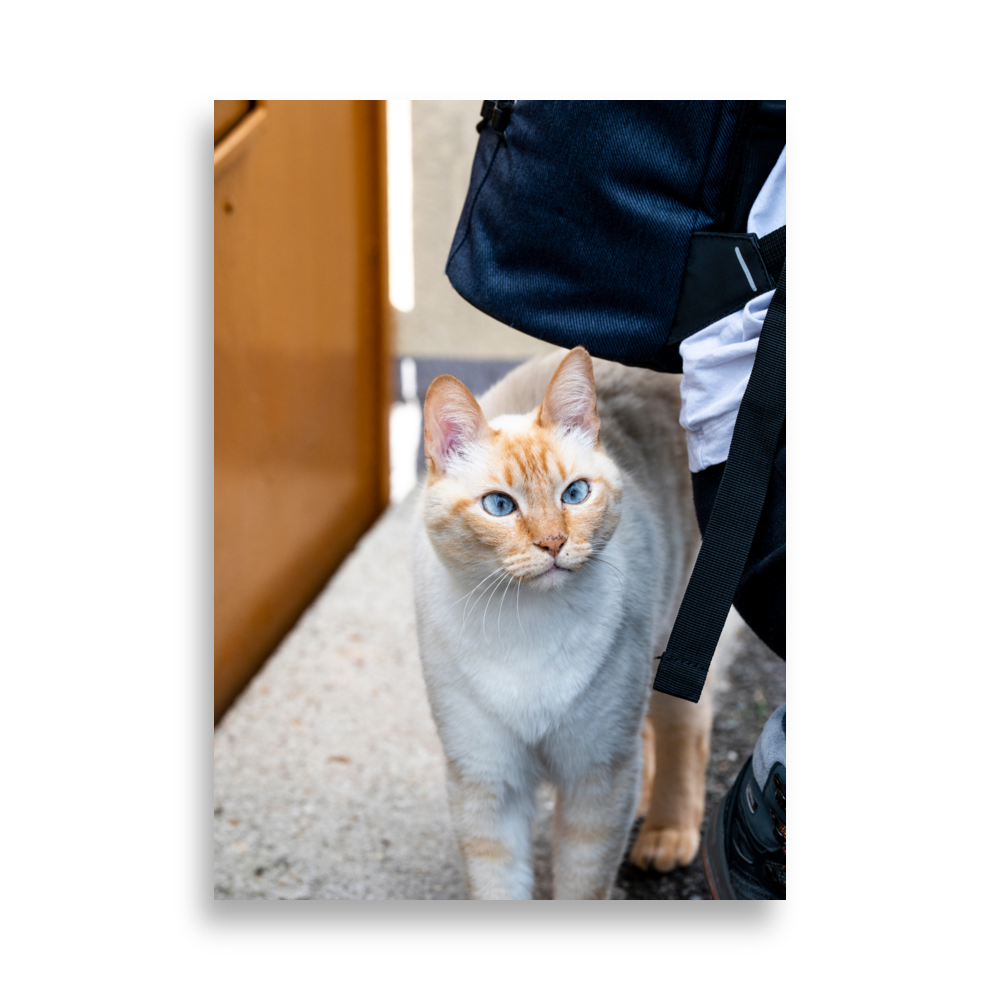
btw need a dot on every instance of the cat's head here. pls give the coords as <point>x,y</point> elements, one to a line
<point>534,495</point>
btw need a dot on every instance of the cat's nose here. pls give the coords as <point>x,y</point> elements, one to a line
<point>552,544</point>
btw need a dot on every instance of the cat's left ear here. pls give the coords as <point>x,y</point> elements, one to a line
<point>571,399</point>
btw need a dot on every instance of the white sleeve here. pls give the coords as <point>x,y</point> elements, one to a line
<point>718,359</point>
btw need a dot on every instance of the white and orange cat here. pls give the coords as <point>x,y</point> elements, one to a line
<point>555,535</point>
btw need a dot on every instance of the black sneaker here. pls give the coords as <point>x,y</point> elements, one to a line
<point>744,845</point>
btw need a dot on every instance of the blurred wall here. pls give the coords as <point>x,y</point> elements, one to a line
<point>302,361</point>
<point>443,324</point>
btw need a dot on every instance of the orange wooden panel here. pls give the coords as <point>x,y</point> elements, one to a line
<point>227,114</point>
<point>301,368</point>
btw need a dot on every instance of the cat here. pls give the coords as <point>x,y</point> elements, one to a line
<point>555,533</point>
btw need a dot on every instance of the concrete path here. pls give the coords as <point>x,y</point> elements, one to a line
<point>329,776</point>
<point>328,771</point>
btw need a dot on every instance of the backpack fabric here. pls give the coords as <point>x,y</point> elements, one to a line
<point>579,223</point>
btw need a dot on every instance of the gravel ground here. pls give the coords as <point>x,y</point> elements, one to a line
<point>329,777</point>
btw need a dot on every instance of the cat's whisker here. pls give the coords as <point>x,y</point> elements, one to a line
<point>619,575</point>
<point>487,608</point>
<point>618,571</point>
<point>618,579</point>
<point>465,597</point>
<point>465,617</point>
<point>517,605</point>
<point>505,589</point>
<point>467,614</point>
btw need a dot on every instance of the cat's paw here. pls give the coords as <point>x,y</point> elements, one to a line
<point>665,848</point>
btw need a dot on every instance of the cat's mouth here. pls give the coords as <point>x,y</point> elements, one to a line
<point>551,577</point>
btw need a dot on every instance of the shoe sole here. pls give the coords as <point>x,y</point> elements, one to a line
<point>713,856</point>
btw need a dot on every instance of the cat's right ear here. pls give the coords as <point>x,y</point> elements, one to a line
<point>452,422</point>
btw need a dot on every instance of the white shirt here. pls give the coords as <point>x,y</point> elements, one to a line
<point>718,359</point>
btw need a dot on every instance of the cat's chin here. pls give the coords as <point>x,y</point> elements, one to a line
<point>552,579</point>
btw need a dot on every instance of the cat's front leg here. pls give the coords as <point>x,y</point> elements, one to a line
<point>492,822</point>
<point>592,821</point>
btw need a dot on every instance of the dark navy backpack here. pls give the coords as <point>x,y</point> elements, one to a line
<point>621,226</point>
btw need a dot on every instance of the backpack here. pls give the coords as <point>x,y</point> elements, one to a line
<point>621,226</point>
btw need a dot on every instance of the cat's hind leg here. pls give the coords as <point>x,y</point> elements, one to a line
<point>648,768</point>
<point>671,832</point>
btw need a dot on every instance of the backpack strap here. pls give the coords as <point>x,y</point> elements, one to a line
<point>731,527</point>
<point>772,250</point>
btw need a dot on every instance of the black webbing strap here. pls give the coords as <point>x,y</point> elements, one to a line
<point>772,250</point>
<point>733,522</point>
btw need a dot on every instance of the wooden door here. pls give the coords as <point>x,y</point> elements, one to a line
<point>301,362</point>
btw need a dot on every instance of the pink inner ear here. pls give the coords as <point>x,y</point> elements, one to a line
<point>453,419</point>
<point>571,400</point>
<point>449,434</point>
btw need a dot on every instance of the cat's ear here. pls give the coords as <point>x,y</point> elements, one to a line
<point>452,422</point>
<point>570,401</point>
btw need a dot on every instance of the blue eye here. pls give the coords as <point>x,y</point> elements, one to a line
<point>577,492</point>
<point>498,504</point>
